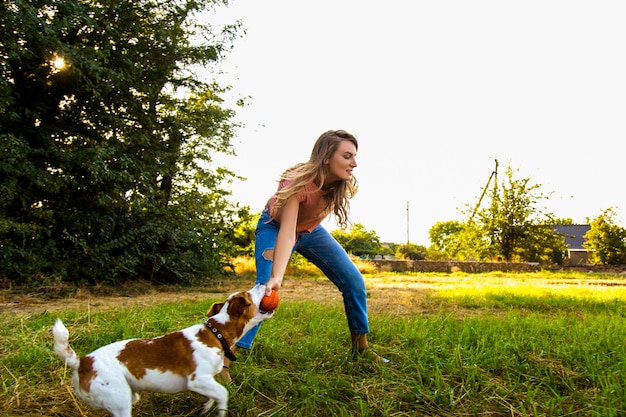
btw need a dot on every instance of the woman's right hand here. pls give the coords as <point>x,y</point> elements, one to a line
<point>274,283</point>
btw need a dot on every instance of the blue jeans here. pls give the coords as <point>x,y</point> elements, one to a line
<point>321,249</point>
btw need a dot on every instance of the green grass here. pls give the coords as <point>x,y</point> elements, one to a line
<point>509,345</point>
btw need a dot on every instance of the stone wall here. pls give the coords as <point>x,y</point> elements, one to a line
<point>401,265</point>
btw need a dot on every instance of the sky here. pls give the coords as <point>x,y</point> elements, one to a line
<point>436,91</point>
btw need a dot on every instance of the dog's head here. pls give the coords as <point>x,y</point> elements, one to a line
<point>242,307</point>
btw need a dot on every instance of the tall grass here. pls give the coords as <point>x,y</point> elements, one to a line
<point>523,345</point>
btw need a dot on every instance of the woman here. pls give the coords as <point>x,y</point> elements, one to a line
<point>307,193</point>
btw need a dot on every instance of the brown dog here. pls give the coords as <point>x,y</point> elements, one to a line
<point>187,360</point>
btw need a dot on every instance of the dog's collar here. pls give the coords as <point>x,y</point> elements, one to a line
<point>229,353</point>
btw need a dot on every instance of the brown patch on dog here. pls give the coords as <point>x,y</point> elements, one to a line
<point>86,373</point>
<point>240,311</point>
<point>207,338</point>
<point>169,353</point>
<point>239,305</point>
<point>215,308</point>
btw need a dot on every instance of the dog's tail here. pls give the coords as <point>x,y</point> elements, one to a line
<point>62,345</point>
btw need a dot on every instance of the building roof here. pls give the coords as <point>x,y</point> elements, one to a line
<point>573,234</point>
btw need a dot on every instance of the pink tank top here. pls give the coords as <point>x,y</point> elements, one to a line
<point>311,211</point>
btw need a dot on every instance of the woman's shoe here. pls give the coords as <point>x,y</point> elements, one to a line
<point>366,353</point>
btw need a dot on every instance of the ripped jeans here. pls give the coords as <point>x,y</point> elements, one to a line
<point>320,248</point>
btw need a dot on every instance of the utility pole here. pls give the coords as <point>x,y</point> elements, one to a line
<point>494,175</point>
<point>407,223</point>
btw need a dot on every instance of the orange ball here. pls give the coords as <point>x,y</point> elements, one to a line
<point>269,302</point>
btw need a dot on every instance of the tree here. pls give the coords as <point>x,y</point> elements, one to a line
<point>606,240</point>
<point>542,244</point>
<point>388,249</point>
<point>444,236</point>
<point>512,228</point>
<point>515,227</point>
<point>457,240</point>
<point>358,240</point>
<point>411,251</point>
<point>243,232</point>
<point>108,141</point>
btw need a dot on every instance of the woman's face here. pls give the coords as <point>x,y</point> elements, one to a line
<point>343,161</point>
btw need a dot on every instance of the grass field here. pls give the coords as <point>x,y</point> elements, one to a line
<point>542,344</point>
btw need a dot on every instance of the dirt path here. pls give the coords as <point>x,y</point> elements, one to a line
<point>395,294</point>
<point>54,298</point>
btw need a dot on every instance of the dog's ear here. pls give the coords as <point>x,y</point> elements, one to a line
<point>239,304</point>
<point>215,308</point>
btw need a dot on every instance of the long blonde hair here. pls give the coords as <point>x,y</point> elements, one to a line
<point>315,171</point>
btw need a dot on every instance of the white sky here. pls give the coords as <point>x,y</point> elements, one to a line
<point>435,91</point>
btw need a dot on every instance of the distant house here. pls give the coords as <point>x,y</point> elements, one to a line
<point>574,239</point>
